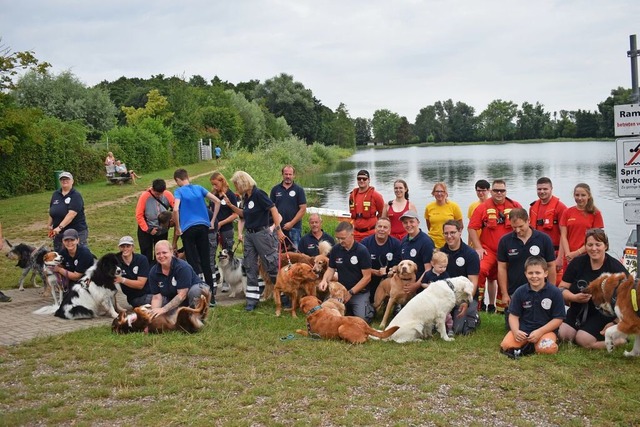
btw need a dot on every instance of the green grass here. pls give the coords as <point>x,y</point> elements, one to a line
<point>238,371</point>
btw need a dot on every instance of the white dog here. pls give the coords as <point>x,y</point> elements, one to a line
<point>231,268</point>
<point>430,308</point>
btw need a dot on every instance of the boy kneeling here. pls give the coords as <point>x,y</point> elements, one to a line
<point>536,312</point>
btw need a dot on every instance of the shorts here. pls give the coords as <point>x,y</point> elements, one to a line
<point>593,324</point>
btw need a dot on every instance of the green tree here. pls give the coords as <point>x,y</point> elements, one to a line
<point>404,133</point>
<point>462,123</point>
<point>427,124</point>
<point>363,130</point>
<point>587,124</point>
<point>12,62</point>
<point>224,121</point>
<point>385,125</point>
<point>566,125</point>
<point>66,98</point>
<point>254,122</point>
<point>497,120</point>
<point>157,107</point>
<point>532,121</point>
<point>343,131</point>
<point>619,96</point>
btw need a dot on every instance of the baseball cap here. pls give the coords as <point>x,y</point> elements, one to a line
<point>363,172</point>
<point>65,175</point>
<point>409,214</point>
<point>126,240</point>
<point>70,233</point>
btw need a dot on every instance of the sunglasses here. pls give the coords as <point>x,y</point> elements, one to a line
<point>499,191</point>
<point>362,178</point>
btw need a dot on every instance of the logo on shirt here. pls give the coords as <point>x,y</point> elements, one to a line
<point>546,303</point>
<point>174,282</point>
<point>67,200</point>
<point>460,261</point>
<point>512,252</point>
<point>135,269</point>
<point>527,304</point>
<point>413,253</point>
<point>223,202</point>
<point>389,256</point>
<point>292,193</point>
<point>250,205</point>
<point>534,250</point>
<point>75,262</point>
<point>354,260</point>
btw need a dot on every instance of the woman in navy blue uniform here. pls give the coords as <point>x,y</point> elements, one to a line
<point>66,210</point>
<point>259,239</point>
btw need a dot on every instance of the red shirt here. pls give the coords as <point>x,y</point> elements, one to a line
<point>546,218</point>
<point>577,223</point>
<point>397,229</point>
<point>493,220</point>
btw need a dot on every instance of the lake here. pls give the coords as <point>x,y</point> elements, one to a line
<point>566,163</point>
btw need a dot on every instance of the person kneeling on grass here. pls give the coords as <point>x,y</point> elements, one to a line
<point>536,312</point>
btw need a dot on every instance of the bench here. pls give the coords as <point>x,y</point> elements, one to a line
<point>113,177</point>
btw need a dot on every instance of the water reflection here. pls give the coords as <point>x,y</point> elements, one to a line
<point>566,163</point>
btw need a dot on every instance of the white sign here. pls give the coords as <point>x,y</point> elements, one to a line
<point>631,210</point>
<point>628,167</point>
<point>626,119</point>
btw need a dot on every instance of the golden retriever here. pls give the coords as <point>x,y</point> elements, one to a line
<point>295,280</point>
<point>328,324</point>
<point>391,289</point>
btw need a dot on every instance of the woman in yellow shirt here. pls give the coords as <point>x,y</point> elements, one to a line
<point>440,211</point>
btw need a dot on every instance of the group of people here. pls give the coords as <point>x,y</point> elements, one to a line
<point>553,249</point>
<point>120,168</point>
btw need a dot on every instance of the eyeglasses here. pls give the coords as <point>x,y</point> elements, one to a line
<point>499,191</point>
<point>362,178</point>
<point>482,190</point>
<point>450,233</point>
<point>438,192</point>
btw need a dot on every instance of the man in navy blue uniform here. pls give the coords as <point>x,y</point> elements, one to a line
<point>384,251</point>
<point>513,250</point>
<point>309,243</point>
<point>353,263</point>
<point>291,202</point>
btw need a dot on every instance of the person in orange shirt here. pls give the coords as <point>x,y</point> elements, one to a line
<point>151,203</point>
<point>491,217</point>
<point>366,206</point>
<point>545,214</point>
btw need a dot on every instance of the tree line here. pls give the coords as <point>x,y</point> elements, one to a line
<point>50,122</point>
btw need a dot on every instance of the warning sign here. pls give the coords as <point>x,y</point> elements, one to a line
<point>628,167</point>
<point>626,119</point>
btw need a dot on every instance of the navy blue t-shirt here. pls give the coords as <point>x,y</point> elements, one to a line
<point>139,267</point>
<point>536,309</point>
<point>418,249</point>
<point>79,263</point>
<point>60,206</point>
<point>349,263</point>
<point>309,244</point>
<point>288,201</point>
<point>225,211</point>
<point>256,209</point>
<point>462,262</point>
<point>181,275</point>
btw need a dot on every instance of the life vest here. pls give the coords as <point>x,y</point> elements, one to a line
<point>366,209</point>
<point>495,217</point>
<point>548,220</point>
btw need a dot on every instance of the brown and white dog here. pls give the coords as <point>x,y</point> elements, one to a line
<point>618,295</point>
<point>54,282</point>
<point>183,319</point>
<point>391,289</point>
<point>329,324</point>
<point>296,281</point>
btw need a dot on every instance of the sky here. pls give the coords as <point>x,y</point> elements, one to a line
<point>402,55</point>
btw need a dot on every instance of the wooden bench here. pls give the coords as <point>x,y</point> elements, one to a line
<point>113,177</point>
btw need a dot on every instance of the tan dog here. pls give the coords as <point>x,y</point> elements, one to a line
<point>618,295</point>
<point>183,319</point>
<point>392,289</point>
<point>294,257</point>
<point>296,281</point>
<point>327,323</point>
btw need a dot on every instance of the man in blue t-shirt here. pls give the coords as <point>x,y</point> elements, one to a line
<point>416,246</point>
<point>291,202</point>
<point>309,243</point>
<point>384,251</point>
<point>353,263</point>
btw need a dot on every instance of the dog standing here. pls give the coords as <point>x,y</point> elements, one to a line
<point>93,295</point>
<point>429,308</point>
<point>231,268</point>
<point>294,280</point>
<point>183,319</point>
<point>29,260</point>
<point>54,283</point>
<point>618,295</point>
<point>392,289</point>
<point>329,324</point>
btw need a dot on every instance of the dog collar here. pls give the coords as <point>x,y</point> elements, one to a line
<point>450,283</point>
<point>314,309</point>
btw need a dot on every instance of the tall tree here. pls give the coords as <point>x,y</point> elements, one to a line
<point>157,107</point>
<point>404,134</point>
<point>363,130</point>
<point>587,124</point>
<point>566,125</point>
<point>531,121</point>
<point>463,123</point>
<point>619,96</point>
<point>427,124</point>
<point>497,120</point>
<point>343,131</point>
<point>385,126</point>
<point>254,122</point>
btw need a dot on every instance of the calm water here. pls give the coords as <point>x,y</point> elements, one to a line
<point>566,163</point>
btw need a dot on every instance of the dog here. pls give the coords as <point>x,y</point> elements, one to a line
<point>231,268</point>
<point>391,289</point>
<point>328,324</point>
<point>429,308</point>
<point>183,319</point>
<point>287,258</point>
<point>294,280</point>
<point>54,283</point>
<point>335,296</point>
<point>618,295</point>
<point>29,260</point>
<point>93,295</point>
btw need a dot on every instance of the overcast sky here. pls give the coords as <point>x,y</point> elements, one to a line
<point>402,54</point>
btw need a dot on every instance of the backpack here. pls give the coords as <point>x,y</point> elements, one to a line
<point>468,323</point>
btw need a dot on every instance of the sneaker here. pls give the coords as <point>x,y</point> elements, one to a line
<point>4,298</point>
<point>491,308</point>
<point>250,306</point>
<point>225,287</point>
<point>212,303</point>
<point>511,353</point>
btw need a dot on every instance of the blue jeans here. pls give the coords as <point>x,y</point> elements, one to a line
<point>294,235</point>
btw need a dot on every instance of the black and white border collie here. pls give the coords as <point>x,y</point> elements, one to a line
<point>93,295</point>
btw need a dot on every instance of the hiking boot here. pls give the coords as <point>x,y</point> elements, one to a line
<point>250,306</point>
<point>491,308</point>
<point>4,298</point>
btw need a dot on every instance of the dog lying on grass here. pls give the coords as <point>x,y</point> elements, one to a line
<point>329,324</point>
<point>183,319</point>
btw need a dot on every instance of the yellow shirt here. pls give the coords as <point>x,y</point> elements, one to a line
<point>436,215</point>
<point>472,207</point>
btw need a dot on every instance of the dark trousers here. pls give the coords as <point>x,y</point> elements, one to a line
<point>147,243</point>
<point>196,248</point>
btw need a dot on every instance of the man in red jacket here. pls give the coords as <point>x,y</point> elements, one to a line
<point>365,206</point>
